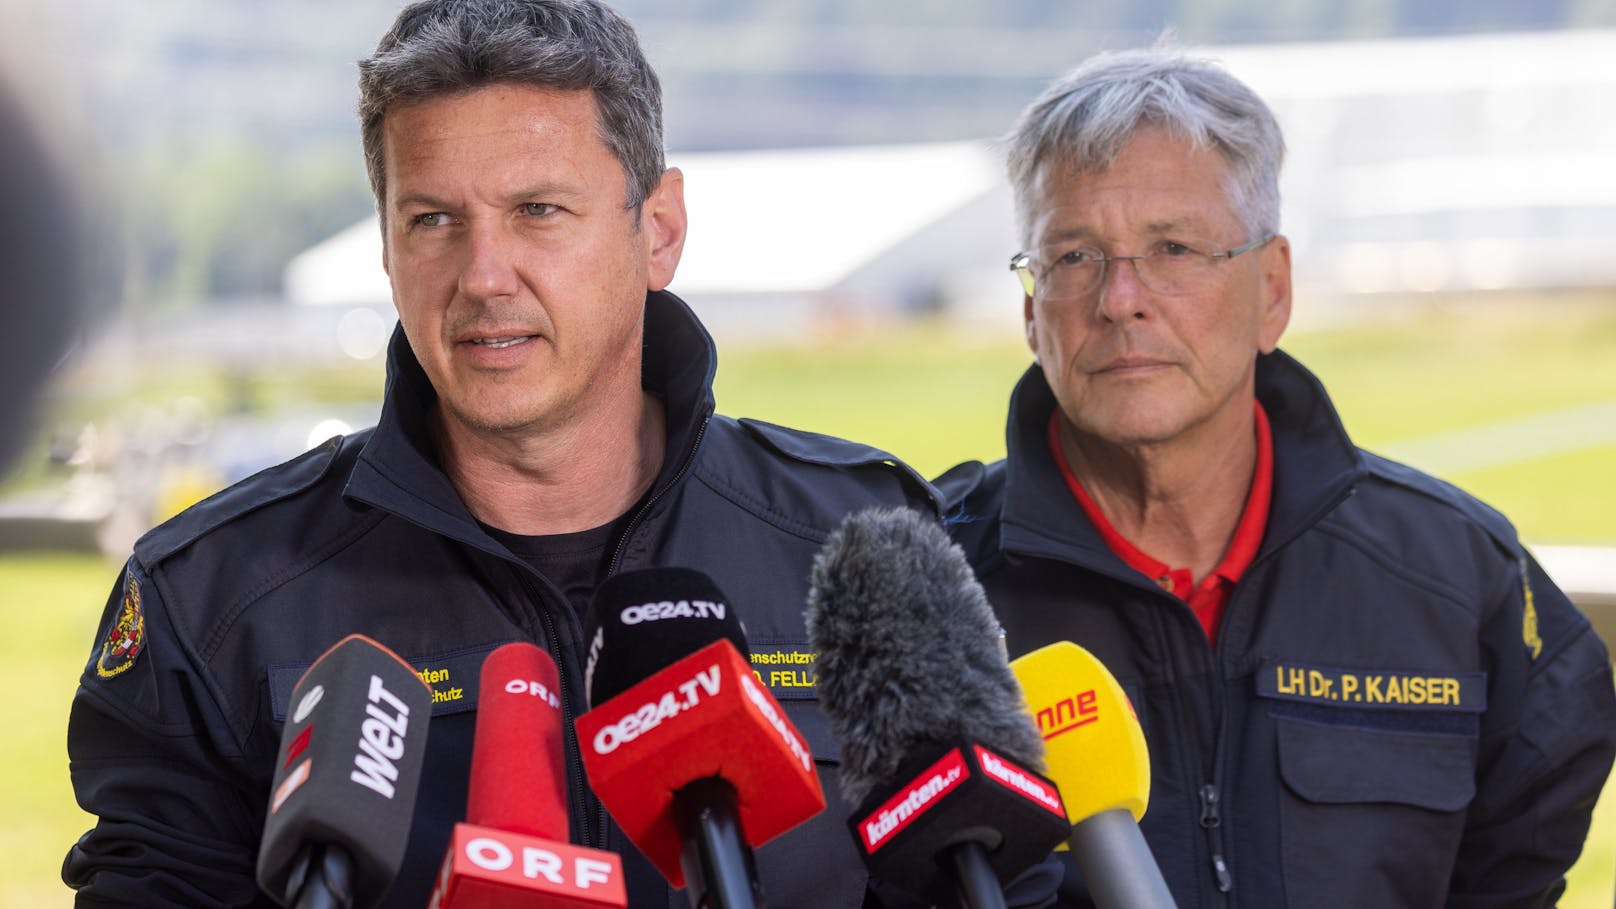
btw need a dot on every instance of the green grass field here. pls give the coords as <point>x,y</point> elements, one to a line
<point>933,398</point>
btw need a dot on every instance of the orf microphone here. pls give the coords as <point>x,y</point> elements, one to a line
<point>691,755</point>
<point>513,850</point>
<point>344,788</point>
<point>945,775</point>
<point>1097,756</point>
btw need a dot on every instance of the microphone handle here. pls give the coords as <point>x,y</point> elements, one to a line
<point>330,881</point>
<point>1117,863</point>
<point>717,862</point>
<point>978,885</point>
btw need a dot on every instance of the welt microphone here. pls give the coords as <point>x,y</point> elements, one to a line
<point>690,754</point>
<point>512,851</point>
<point>344,788</point>
<point>938,750</point>
<point>1097,756</point>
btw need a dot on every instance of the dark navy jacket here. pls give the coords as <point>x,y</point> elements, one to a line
<point>174,751</point>
<point>1400,710</point>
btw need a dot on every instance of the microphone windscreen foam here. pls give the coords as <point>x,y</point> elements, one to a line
<point>910,657</point>
<point>642,621</point>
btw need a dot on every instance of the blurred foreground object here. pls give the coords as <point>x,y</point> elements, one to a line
<point>41,285</point>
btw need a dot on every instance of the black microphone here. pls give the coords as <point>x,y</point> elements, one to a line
<point>938,750</point>
<point>344,789</point>
<point>690,754</point>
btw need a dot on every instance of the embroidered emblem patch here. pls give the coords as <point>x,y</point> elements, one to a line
<point>1529,634</point>
<point>127,637</point>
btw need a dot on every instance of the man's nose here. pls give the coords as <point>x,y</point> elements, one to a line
<point>1122,292</point>
<point>490,263</point>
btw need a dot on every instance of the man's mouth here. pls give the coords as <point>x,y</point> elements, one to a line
<point>502,343</point>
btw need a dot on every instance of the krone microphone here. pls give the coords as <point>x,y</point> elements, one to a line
<point>688,751</point>
<point>938,751</point>
<point>348,768</point>
<point>512,851</point>
<point>1097,756</point>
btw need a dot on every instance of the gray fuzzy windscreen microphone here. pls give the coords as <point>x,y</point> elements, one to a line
<point>909,650</point>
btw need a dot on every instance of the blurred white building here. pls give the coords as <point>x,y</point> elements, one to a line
<point>1453,165</point>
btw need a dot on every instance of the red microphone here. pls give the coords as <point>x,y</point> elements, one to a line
<point>512,851</point>
<point>688,751</point>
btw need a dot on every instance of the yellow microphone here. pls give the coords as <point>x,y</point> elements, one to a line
<point>1097,757</point>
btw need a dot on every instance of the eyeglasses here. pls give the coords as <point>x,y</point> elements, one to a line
<point>1169,267</point>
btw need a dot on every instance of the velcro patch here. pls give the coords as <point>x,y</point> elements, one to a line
<point>787,667</point>
<point>453,678</point>
<point>1464,692</point>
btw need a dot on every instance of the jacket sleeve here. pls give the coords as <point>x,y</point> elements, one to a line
<point>174,826</point>
<point>1546,750</point>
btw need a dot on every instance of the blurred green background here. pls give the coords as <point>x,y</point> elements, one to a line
<point>932,396</point>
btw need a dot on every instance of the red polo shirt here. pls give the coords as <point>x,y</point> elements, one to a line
<point>1209,597</point>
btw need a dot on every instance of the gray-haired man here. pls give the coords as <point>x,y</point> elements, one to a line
<point>1358,689</point>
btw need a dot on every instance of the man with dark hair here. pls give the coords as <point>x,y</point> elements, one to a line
<point>1357,687</point>
<point>548,421</point>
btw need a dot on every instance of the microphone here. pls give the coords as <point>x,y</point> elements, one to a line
<point>938,750</point>
<point>689,753</point>
<point>512,851</point>
<point>344,788</point>
<point>1097,756</point>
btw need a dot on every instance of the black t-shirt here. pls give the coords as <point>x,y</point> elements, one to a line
<point>575,563</point>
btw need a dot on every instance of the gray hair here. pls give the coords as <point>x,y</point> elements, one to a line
<point>1084,118</point>
<point>444,47</point>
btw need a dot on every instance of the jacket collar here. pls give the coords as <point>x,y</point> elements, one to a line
<point>398,469</point>
<point>1315,466</point>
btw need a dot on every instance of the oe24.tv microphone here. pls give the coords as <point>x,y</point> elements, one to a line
<point>512,851</point>
<point>938,751</point>
<point>1096,753</point>
<point>690,754</point>
<point>344,788</point>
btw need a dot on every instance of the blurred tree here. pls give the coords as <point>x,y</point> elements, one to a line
<point>221,219</point>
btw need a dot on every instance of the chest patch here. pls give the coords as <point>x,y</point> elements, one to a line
<point>1462,692</point>
<point>786,667</point>
<point>452,677</point>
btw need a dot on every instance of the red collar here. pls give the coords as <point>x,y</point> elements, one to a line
<point>1243,545</point>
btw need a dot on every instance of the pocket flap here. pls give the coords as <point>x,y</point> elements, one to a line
<point>1344,764</point>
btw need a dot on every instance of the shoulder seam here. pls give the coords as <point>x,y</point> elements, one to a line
<point>1488,519</point>
<point>869,457</point>
<point>759,509</point>
<point>231,613</point>
<point>1393,566</point>
<point>150,556</point>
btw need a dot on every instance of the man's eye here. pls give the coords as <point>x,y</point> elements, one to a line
<point>537,209</point>
<point>1075,257</point>
<point>431,219</point>
<point>1174,249</point>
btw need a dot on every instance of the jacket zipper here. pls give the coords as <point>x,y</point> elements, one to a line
<point>1210,793</point>
<point>592,814</point>
<point>634,522</point>
<point>603,833</point>
<point>1212,821</point>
